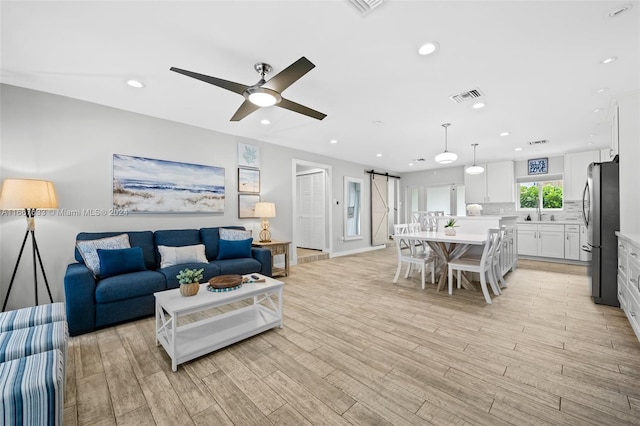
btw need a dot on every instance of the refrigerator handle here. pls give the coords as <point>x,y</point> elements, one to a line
<point>584,213</point>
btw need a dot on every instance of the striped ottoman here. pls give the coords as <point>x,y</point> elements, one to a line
<point>36,315</point>
<point>32,340</point>
<point>32,390</point>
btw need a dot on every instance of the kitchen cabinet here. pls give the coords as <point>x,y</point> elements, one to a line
<point>575,172</point>
<point>541,240</point>
<point>572,242</point>
<point>629,280</point>
<point>495,185</point>
<point>585,256</point>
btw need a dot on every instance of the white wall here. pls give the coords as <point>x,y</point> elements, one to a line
<point>629,151</point>
<point>444,176</point>
<point>71,143</point>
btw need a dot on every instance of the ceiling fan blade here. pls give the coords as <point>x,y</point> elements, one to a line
<point>245,109</point>
<point>292,106</point>
<point>289,75</point>
<point>225,84</point>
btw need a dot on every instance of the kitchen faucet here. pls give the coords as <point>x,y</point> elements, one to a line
<point>539,212</point>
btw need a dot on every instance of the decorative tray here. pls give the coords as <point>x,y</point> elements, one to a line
<point>225,283</point>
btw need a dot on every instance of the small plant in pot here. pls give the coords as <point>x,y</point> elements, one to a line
<point>189,280</point>
<point>450,227</point>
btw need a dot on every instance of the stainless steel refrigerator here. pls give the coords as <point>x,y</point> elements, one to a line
<point>601,211</point>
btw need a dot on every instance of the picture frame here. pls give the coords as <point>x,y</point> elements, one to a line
<point>248,180</point>
<point>246,205</point>
<point>538,166</point>
<point>148,185</point>
<point>248,155</point>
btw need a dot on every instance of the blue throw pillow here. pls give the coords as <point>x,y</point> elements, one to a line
<point>120,261</point>
<point>237,249</point>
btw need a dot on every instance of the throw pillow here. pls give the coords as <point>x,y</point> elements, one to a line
<point>120,261</point>
<point>170,256</point>
<point>88,249</point>
<point>234,234</point>
<point>234,249</point>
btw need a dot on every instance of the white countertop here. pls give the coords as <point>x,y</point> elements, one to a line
<point>481,217</point>
<point>550,222</point>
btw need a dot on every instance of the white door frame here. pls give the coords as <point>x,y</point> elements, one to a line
<point>328,196</point>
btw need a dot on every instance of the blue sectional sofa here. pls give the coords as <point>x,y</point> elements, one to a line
<point>94,303</point>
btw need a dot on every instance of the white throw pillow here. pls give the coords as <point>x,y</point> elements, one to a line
<point>89,249</point>
<point>170,256</point>
<point>234,234</point>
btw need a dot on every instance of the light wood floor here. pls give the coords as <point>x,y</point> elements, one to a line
<point>357,349</point>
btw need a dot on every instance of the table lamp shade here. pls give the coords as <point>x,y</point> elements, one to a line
<point>28,194</point>
<point>265,210</point>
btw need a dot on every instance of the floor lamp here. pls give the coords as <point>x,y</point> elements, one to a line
<point>30,195</point>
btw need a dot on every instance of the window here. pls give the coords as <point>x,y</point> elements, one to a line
<point>537,193</point>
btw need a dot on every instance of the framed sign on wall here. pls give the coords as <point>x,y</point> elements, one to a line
<point>538,166</point>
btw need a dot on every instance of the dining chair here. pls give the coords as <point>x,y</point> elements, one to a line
<point>482,266</point>
<point>414,257</point>
<point>432,221</point>
<point>401,229</point>
<point>497,260</point>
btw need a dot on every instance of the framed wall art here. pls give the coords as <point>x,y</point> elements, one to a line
<point>248,180</point>
<point>246,205</point>
<point>248,155</point>
<point>147,185</point>
<point>538,166</point>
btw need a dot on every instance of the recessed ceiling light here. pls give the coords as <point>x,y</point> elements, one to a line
<point>505,134</point>
<point>333,141</point>
<point>619,10</point>
<point>411,164</point>
<point>602,90</point>
<point>428,48</point>
<point>479,105</point>
<point>265,121</point>
<point>378,122</point>
<point>378,155</point>
<point>597,110</point>
<point>518,149</point>
<point>609,60</point>
<point>135,83</point>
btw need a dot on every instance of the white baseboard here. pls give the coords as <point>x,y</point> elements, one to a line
<point>362,250</point>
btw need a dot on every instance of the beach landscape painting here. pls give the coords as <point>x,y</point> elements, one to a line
<point>146,185</point>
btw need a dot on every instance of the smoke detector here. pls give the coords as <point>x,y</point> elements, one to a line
<point>540,142</point>
<point>466,96</point>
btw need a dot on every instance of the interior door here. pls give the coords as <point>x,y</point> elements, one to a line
<point>311,209</point>
<point>379,210</point>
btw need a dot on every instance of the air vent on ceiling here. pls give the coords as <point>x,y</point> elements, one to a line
<point>540,142</point>
<point>364,7</point>
<point>466,96</point>
<point>419,160</point>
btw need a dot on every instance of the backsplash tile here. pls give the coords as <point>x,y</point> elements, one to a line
<point>572,211</point>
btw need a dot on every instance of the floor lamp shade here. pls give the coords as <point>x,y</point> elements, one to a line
<point>265,210</point>
<point>28,194</point>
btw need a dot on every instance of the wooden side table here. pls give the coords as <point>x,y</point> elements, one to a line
<point>276,248</point>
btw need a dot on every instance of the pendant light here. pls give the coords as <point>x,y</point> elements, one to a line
<point>473,169</point>
<point>446,157</point>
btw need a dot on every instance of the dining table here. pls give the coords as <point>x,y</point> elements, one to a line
<point>447,248</point>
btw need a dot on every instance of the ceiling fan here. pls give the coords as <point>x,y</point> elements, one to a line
<point>264,93</point>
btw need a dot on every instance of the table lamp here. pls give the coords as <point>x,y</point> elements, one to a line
<point>30,195</point>
<point>265,210</point>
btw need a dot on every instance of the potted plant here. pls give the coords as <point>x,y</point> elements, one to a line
<point>189,281</point>
<point>450,227</point>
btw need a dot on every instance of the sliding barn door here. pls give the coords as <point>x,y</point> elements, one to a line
<point>379,210</point>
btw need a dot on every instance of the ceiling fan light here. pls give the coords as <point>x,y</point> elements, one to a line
<point>262,99</point>
<point>474,170</point>
<point>446,157</point>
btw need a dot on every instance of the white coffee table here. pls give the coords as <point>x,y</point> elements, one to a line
<point>188,341</point>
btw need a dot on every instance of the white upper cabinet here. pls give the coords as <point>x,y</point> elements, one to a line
<point>575,172</point>
<point>495,185</point>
